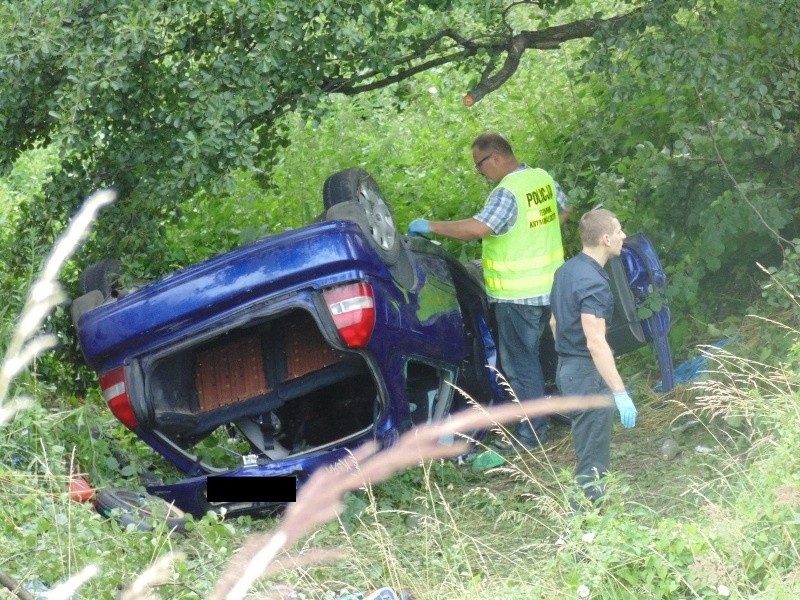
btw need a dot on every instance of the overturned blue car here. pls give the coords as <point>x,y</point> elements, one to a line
<point>276,358</point>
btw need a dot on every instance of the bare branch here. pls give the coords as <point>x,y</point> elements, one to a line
<point>544,39</point>
<point>14,587</point>
<point>514,46</point>
<point>351,90</point>
<point>351,86</point>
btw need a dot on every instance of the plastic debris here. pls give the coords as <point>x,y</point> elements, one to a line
<point>414,521</point>
<point>384,593</point>
<point>691,369</point>
<point>80,490</point>
<point>684,426</point>
<point>487,460</point>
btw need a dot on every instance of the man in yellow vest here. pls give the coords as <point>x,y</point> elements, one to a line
<point>520,230</point>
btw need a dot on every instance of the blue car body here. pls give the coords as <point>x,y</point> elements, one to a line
<point>276,358</point>
<point>268,299</point>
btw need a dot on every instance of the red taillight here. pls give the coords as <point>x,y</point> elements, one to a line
<point>352,307</point>
<point>115,391</point>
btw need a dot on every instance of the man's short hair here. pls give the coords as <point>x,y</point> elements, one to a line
<point>493,142</point>
<point>594,225</point>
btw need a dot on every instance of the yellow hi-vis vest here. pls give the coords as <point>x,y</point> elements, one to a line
<point>521,262</point>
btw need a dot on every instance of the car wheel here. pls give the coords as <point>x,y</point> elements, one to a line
<point>140,509</point>
<point>102,276</point>
<point>354,195</point>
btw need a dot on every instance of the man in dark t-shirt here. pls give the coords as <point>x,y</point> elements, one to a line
<point>582,306</point>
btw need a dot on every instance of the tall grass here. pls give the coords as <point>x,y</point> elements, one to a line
<point>26,343</point>
<point>320,500</point>
<point>725,525</point>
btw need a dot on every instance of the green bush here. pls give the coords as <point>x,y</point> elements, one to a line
<point>783,287</point>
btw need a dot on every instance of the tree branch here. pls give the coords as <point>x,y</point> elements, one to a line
<point>724,166</point>
<point>351,90</point>
<point>514,46</point>
<point>351,87</point>
<point>544,39</point>
<point>13,585</point>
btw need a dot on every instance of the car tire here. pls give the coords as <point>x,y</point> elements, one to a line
<point>102,276</point>
<point>354,195</point>
<point>140,509</point>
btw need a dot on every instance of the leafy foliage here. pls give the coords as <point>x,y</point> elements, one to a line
<point>163,99</point>
<point>684,120</point>
<point>782,289</point>
<point>694,136</point>
<point>665,128</point>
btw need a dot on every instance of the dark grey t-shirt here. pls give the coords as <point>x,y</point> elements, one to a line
<point>580,286</point>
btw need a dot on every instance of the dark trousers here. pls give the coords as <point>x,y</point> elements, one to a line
<point>591,429</point>
<point>519,331</point>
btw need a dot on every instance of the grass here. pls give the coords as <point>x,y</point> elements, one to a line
<point>716,519</point>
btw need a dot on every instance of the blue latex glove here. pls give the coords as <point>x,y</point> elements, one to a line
<point>419,227</point>
<point>627,411</point>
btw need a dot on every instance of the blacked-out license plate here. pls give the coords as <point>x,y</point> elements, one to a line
<point>224,488</point>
